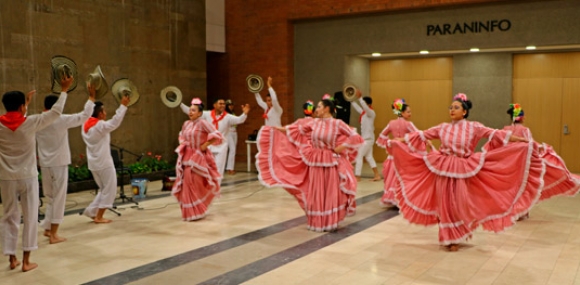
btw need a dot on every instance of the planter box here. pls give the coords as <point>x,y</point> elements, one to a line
<point>78,186</point>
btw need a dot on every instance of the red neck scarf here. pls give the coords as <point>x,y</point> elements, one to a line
<point>91,122</point>
<point>265,115</point>
<point>217,120</point>
<point>12,120</point>
<point>362,114</point>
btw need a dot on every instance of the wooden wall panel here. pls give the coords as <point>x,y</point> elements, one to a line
<point>541,100</point>
<point>570,144</point>
<point>425,84</point>
<point>548,87</point>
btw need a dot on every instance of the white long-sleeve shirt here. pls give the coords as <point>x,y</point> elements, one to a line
<point>275,113</point>
<point>367,124</point>
<point>52,141</point>
<point>18,148</point>
<point>225,123</point>
<point>98,140</point>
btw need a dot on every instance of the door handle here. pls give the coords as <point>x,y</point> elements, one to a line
<point>566,131</point>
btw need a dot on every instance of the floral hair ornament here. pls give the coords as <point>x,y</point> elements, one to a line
<point>327,97</point>
<point>398,106</point>
<point>196,101</point>
<point>460,97</point>
<point>309,107</point>
<point>517,113</point>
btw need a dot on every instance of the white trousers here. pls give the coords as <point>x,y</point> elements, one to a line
<point>54,186</point>
<point>220,152</point>
<point>232,142</point>
<point>365,151</point>
<point>107,181</point>
<point>27,191</point>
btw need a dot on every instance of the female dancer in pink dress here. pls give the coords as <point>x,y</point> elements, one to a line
<point>459,189</point>
<point>197,176</point>
<point>557,178</point>
<point>283,167</point>
<point>397,129</point>
<point>327,147</point>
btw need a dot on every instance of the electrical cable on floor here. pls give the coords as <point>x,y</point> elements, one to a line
<point>157,208</point>
<point>75,203</point>
<point>217,201</point>
<point>243,197</point>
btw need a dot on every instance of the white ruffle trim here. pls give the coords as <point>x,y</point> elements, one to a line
<point>278,183</point>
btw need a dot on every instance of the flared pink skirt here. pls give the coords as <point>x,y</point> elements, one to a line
<point>558,180</point>
<point>330,197</point>
<point>279,164</point>
<point>195,196</point>
<point>390,183</point>
<point>502,186</point>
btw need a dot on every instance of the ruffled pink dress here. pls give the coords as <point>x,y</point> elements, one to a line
<point>397,129</point>
<point>321,180</point>
<point>284,166</point>
<point>197,176</point>
<point>557,180</point>
<point>459,189</point>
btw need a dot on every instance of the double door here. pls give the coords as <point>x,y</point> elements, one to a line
<point>548,88</point>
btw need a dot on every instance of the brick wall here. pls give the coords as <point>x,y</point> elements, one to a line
<point>259,39</point>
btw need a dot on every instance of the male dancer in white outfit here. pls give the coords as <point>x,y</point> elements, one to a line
<point>18,173</point>
<point>367,129</point>
<point>97,136</point>
<point>232,141</point>
<point>53,159</point>
<point>272,110</point>
<point>222,121</point>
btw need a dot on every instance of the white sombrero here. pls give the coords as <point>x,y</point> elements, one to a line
<point>97,80</point>
<point>171,96</point>
<point>124,87</point>
<point>62,65</point>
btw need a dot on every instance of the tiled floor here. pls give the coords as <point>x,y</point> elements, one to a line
<point>256,235</point>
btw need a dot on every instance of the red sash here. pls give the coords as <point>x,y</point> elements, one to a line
<point>265,115</point>
<point>217,120</point>
<point>12,120</point>
<point>91,122</point>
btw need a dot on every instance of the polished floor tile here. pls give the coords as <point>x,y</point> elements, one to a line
<point>258,235</point>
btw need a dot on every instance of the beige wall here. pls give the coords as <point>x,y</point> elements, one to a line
<point>153,43</point>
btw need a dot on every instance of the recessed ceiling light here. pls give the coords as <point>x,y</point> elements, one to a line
<point>473,49</point>
<point>531,47</point>
<point>424,52</point>
<point>375,54</point>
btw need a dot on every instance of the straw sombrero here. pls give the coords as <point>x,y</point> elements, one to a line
<point>62,65</point>
<point>97,80</point>
<point>171,96</point>
<point>124,87</point>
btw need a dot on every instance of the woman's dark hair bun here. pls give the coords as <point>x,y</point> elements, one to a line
<point>468,104</point>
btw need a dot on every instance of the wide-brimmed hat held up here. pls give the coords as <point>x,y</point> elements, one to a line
<point>124,87</point>
<point>97,80</point>
<point>171,96</point>
<point>62,65</point>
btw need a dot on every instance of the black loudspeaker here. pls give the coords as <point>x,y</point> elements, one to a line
<point>342,107</point>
